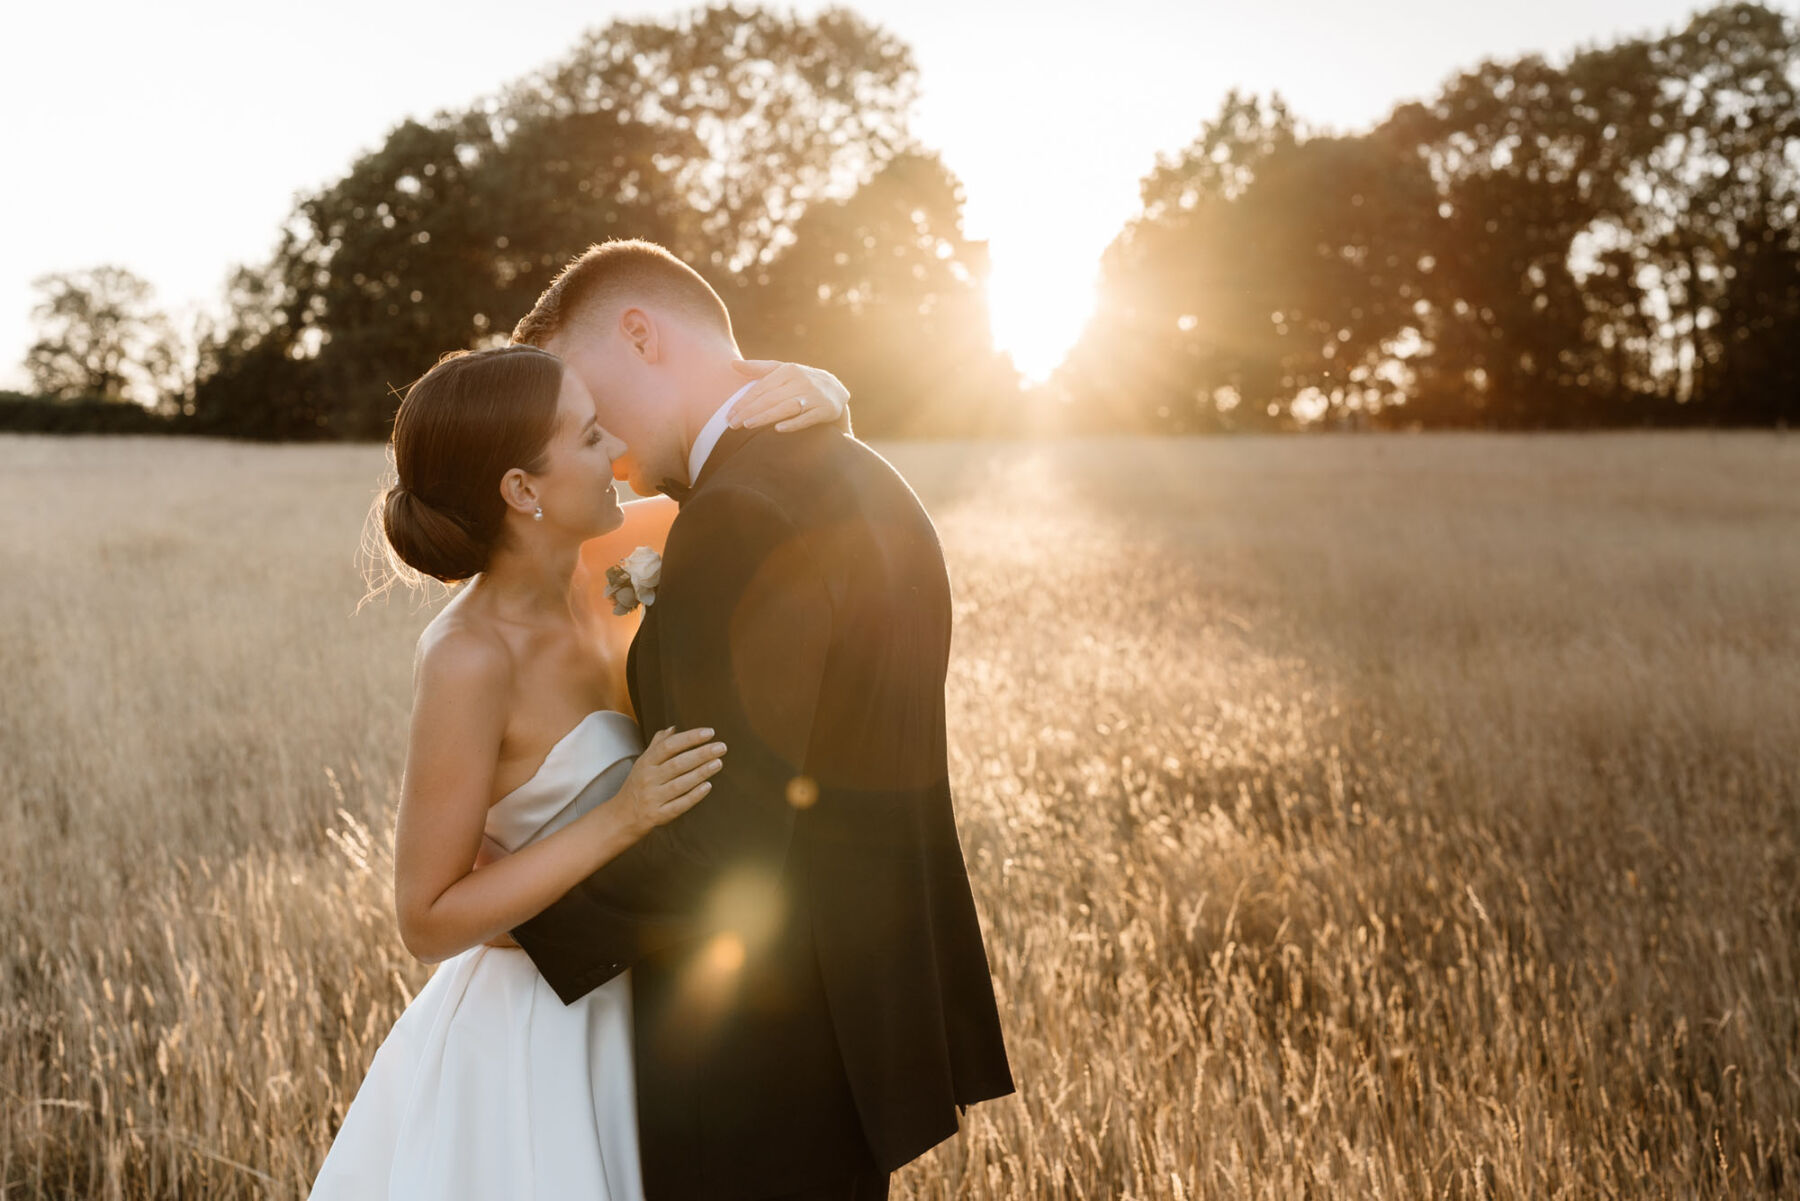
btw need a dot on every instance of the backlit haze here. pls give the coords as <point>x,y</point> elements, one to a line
<point>171,139</point>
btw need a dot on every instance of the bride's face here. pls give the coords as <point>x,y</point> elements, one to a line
<point>575,488</point>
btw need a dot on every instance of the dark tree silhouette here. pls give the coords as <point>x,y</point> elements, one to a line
<point>884,288</point>
<point>102,337</point>
<point>1609,241</point>
<point>711,134</point>
<point>1268,271</point>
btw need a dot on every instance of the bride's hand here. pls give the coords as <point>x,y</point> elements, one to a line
<point>669,778</point>
<point>790,396</point>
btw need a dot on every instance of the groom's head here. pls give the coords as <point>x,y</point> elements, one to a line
<point>651,341</point>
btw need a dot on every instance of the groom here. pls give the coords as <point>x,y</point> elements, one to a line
<point>811,998</point>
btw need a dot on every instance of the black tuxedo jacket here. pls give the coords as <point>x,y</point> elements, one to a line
<point>810,993</point>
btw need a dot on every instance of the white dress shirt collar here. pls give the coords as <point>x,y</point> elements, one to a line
<point>710,433</point>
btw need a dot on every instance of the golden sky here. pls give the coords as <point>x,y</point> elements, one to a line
<point>171,138</point>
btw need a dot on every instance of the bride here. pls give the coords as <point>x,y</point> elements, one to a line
<point>488,1086</point>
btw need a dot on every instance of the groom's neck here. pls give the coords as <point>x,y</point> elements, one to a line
<point>712,384</point>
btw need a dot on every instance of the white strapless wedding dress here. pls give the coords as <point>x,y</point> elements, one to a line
<point>489,1088</point>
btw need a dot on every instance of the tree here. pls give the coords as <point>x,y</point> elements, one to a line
<point>101,336</point>
<point>443,237</point>
<point>711,134</point>
<point>1271,278</point>
<point>764,115</point>
<point>1135,366</point>
<point>885,288</point>
<point>1610,240</point>
<point>1719,181</point>
<point>1756,380</point>
<point>1591,215</point>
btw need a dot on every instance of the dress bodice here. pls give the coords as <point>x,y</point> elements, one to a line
<point>605,743</point>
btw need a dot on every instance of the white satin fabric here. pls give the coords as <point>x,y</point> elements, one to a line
<point>488,1087</point>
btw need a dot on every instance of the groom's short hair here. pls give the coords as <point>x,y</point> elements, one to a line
<point>610,275</point>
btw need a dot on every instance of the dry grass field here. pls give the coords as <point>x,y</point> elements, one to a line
<point>1377,817</point>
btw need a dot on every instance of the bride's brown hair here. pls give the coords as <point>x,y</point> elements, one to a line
<point>462,426</point>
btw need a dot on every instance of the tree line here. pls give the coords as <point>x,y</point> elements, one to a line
<point>1614,240</point>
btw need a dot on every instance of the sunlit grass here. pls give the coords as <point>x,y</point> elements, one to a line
<point>1350,818</point>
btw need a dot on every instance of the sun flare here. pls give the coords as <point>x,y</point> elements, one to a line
<point>1037,307</point>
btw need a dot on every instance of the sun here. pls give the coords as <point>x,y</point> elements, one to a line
<point>1037,307</point>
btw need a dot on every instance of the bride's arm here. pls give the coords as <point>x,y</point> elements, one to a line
<point>445,906</point>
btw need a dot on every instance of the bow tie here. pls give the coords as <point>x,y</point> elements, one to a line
<point>674,490</point>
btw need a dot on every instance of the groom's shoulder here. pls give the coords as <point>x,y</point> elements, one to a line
<point>821,487</point>
<point>770,452</point>
<point>815,472</point>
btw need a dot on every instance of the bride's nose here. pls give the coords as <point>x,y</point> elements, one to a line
<point>615,450</point>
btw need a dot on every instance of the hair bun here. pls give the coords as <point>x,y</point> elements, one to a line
<point>428,539</point>
<point>460,428</point>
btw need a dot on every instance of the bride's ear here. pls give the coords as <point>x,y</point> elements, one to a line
<point>519,493</point>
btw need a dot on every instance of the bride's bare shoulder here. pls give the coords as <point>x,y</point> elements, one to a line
<point>459,648</point>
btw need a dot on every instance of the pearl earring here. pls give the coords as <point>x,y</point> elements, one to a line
<point>539,515</point>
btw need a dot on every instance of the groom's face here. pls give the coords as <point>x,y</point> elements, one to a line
<point>632,400</point>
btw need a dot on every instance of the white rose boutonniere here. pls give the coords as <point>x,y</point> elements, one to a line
<point>633,580</point>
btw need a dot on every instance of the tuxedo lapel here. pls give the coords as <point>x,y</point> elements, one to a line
<point>631,672</point>
<point>643,673</point>
<point>728,444</point>
<point>643,662</point>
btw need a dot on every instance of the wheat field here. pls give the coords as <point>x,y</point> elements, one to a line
<point>1398,817</point>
